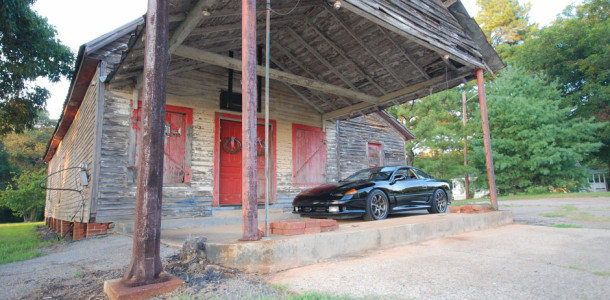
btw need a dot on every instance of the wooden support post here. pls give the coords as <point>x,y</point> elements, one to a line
<point>145,266</point>
<point>248,125</point>
<point>491,177</point>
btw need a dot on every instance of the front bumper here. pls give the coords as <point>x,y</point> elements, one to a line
<point>334,209</point>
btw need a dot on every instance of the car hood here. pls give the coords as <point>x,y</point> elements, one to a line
<point>336,188</point>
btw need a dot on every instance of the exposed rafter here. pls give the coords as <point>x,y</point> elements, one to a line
<point>374,55</point>
<point>393,95</point>
<point>404,53</point>
<point>343,54</point>
<point>321,58</point>
<point>235,64</point>
<point>193,18</point>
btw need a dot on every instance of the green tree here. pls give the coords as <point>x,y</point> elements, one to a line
<point>26,149</point>
<point>436,121</point>
<point>25,197</point>
<point>28,50</point>
<point>6,167</point>
<point>535,142</point>
<point>505,23</point>
<point>575,52</point>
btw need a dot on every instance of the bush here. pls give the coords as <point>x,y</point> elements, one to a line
<point>25,197</point>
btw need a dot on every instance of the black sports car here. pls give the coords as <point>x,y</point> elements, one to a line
<point>374,193</point>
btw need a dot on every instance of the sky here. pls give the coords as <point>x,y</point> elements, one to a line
<point>80,21</point>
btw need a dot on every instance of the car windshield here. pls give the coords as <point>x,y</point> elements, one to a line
<point>371,174</point>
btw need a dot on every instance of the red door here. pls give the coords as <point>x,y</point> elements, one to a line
<point>308,155</point>
<point>177,120</point>
<point>174,151</point>
<point>231,163</point>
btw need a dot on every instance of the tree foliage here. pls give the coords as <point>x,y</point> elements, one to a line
<point>436,121</point>
<point>28,50</point>
<point>575,52</point>
<point>26,149</point>
<point>24,196</point>
<point>504,21</point>
<point>6,167</point>
<point>535,142</point>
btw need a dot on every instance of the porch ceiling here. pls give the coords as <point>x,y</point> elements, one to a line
<point>366,56</point>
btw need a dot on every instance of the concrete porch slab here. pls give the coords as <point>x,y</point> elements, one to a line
<point>276,253</point>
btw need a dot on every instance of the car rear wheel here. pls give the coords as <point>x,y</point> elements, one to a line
<point>439,202</point>
<point>377,206</point>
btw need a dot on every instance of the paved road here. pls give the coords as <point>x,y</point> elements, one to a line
<point>520,261</point>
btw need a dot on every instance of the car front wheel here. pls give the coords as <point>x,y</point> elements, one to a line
<point>377,206</point>
<point>439,202</point>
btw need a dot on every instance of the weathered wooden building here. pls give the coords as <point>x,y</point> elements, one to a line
<point>327,66</point>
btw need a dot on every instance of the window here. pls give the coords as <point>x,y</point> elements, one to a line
<point>374,155</point>
<point>308,155</point>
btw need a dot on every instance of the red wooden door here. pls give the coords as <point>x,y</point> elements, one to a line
<point>177,120</point>
<point>231,163</point>
<point>309,155</point>
<point>174,151</point>
<point>374,155</point>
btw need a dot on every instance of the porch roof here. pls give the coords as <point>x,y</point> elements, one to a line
<point>361,58</point>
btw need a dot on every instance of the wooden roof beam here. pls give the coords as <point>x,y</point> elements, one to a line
<point>314,92</point>
<point>304,68</point>
<point>321,58</point>
<point>321,34</point>
<point>374,55</point>
<point>235,64</point>
<point>237,12</point>
<point>394,95</point>
<point>193,19</point>
<point>404,53</point>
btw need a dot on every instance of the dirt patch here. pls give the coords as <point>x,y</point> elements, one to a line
<point>88,285</point>
<point>46,234</point>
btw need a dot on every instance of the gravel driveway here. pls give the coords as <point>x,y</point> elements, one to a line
<point>520,261</point>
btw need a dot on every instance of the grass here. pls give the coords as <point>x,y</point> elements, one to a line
<point>19,241</point>
<point>566,226</point>
<point>572,212</point>
<point>486,200</point>
<point>606,274</point>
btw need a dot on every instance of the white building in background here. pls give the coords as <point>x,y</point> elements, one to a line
<point>459,190</point>
<point>597,181</point>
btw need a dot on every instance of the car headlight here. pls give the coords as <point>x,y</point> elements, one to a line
<point>333,209</point>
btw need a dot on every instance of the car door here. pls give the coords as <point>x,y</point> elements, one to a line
<point>428,188</point>
<point>409,190</point>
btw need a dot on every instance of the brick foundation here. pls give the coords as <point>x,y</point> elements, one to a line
<point>306,226</point>
<point>76,230</point>
<point>470,209</point>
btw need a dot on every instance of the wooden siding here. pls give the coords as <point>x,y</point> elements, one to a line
<point>76,147</point>
<point>200,91</point>
<point>353,138</point>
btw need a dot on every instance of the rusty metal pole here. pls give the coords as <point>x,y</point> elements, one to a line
<point>466,180</point>
<point>145,265</point>
<point>248,124</point>
<point>491,177</point>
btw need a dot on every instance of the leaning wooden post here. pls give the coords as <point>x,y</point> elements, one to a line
<point>145,264</point>
<point>248,125</point>
<point>491,177</point>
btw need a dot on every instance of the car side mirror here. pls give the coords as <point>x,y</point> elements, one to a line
<point>399,177</point>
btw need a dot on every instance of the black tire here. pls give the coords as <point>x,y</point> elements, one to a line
<point>439,202</point>
<point>377,206</point>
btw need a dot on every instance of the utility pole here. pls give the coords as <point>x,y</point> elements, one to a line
<point>466,180</point>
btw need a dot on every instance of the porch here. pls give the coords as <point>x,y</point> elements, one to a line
<point>354,236</point>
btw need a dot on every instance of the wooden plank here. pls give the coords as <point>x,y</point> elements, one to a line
<point>404,53</point>
<point>374,55</point>
<point>344,55</point>
<point>235,64</point>
<point>376,16</point>
<point>321,58</point>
